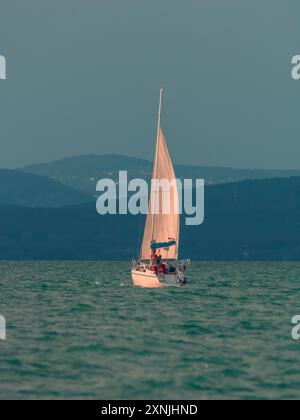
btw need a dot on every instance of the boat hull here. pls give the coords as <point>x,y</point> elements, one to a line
<point>149,279</point>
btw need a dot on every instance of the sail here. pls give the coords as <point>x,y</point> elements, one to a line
<point>163,226</point>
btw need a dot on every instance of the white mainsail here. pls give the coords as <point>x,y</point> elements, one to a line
<point>161,227</point>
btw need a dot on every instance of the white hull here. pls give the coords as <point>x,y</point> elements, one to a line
<point>149,279</point>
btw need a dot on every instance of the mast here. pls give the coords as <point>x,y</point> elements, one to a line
<point>161,227</point>
<point>154,176</point>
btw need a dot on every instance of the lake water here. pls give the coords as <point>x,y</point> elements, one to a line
<point>80,330</point>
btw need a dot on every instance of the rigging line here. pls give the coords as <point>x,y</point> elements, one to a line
<point>139,235</point>
<point>164,124</point>
<point>154,176</point>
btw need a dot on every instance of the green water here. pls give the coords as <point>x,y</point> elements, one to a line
<point>80,330</point>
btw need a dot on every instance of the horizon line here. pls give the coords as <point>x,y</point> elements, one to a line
<point>76,156</point>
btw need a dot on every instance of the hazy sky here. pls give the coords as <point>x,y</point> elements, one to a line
<point>83,77</point>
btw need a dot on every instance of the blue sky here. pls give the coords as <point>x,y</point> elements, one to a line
<point>84,76</point>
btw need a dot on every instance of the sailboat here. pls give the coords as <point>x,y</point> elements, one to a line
<point>158,264</point>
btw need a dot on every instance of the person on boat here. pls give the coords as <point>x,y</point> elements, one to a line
<point>159,262</point>
<point>155,262</point>
<point>153,257</point>
<point>164,268</point>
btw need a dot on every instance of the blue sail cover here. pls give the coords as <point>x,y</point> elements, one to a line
<point>157,245</point>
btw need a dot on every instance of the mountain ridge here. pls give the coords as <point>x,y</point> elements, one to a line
<point>255,220</point>
<point>83,171</point>
<point>31,190</point>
